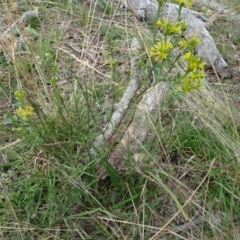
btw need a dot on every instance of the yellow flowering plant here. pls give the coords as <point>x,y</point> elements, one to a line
<point>24,112</point>
<point>171,27</point>
<point>194,62</point>
<point>187,3</point>
<point>161,55</point>
<point>182,3</point>
<point>160,50</point>
<point>190,43</point>
<point>191,81</point>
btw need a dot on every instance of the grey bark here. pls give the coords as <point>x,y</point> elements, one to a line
<point>137,131</point>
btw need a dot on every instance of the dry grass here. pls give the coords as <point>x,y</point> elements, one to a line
<point>74,70</point>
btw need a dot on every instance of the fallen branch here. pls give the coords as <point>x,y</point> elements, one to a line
<point>138,129</point>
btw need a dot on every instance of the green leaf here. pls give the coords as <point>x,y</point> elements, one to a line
<point>114,175</point>
<point>8,121</point>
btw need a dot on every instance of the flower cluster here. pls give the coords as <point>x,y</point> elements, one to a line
<point>172,38</point>
<point>25,112</point>
<point>171,27</point>
<point>195,65</point>
<point>160,50</point>
<point>194,62</point>
<point>190,43</point>
<point>191,81</point>
<point>187,3</point>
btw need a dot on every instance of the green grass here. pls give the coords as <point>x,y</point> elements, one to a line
<point>48,172</point>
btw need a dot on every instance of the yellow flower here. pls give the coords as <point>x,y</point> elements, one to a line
<point>19,95</point>
<point>194,62</point>
<point>190,43</point>
<point>187,3</point>
<point>192,81</point>
<point>197,74</point>
<point>187,56</point>
<point>160,50</point>
<point>24,112</point>
<point>168,26</point>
